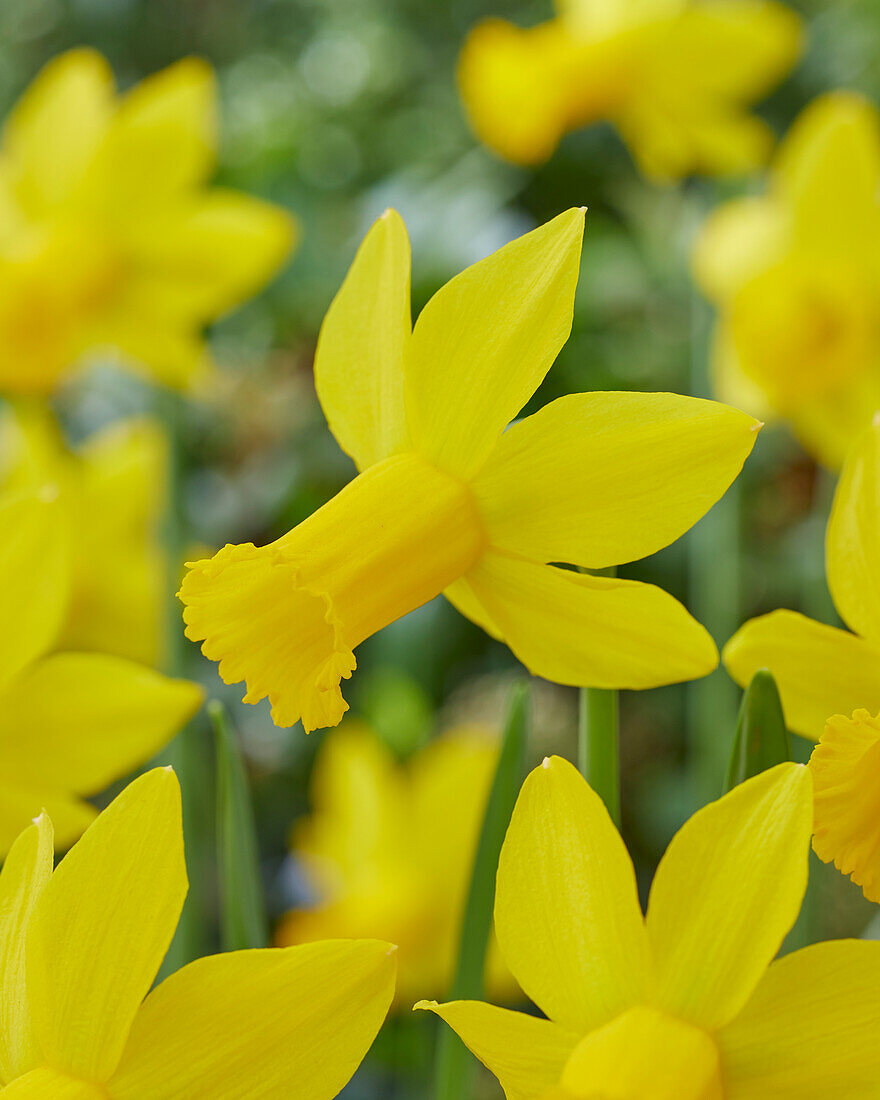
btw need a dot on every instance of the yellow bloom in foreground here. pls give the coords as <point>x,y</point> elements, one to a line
<point>676,77</point>
<point>796,276</point>
<point>110,241</point>
<point>388,859</point>
<point>80,947</point>
<point>112,492</point>
<point>448,501</point>
<point>846,780</point>
<point>685,1003</point>
<point>70,722</point>
<point>822,670</point>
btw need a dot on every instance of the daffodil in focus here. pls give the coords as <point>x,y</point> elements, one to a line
<point>80,947</point>
<point>111,490</point>
<point>685,1003</point>
<point>448,501</point>
<point>846,778</point>
<point>386,858</point>
<point>676,78</point>
<point>795,273</point>
<point>111,242</point>
<point>71,722</point>
<point>822,670</point>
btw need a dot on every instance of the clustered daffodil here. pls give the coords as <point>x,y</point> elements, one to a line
<point>111,491</point>
<point>676,78</point>
<point>71,722</point>
<point>686,1002</point>
<point>385,856</point>
<point>796,276</point>
<point>110,241</point>
<point>448,501</point>
<point>823,670</point>
<point>80,947</point>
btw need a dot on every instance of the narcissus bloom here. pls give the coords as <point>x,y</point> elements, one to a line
<point>846,779</point>
<point>686,1002</point>
<point>80,947</point>
<point>385,856</point>
<point>448,501</point>
<point>676,77</point>
<point>71,722</point>
<point>796,276</point>
<point>111,490</point>
<point>822,670</point>
<point>110,241</point>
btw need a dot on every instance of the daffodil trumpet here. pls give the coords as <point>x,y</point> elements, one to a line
<point>448,501</point>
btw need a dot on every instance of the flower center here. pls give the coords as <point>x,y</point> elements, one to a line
<point>286,617</point>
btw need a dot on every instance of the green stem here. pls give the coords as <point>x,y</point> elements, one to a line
<point>454,1064</point>
<point>599,745</point>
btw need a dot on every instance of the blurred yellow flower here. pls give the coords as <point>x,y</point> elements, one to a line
<point>110,240</point>
<point>70,722</point>
<point>796,275</point>
<point>676,77</point>
<point>386,857</point>
<point>80,947</point>
<point>846,780</point>
<point>685,1003</point>
<point>822,670</point>
<point>112,493</point>
<point>448,501</point>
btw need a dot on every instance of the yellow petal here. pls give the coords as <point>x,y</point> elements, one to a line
<point>736,241</point>
<point>56,126</point>
<point>102,926</point>
<point>846,777</point>
<point>49,1084</point>
<point>567,911</point>
<point>160,142</point>
<point>819,669</point>
<point>618,633</point>
<point>364,338</point>
<point>34,578</point>
<point>599,479</point>
<point>828,169</point>
<point>852,548</point>
<point>645,1055</point>
<point>810,1030</point>
<point>201,257</point>
<point>483,343</point>
<point>21,802</point>
<point>266,1024</point>
<point>26,871</point>
<point>77,721</point>
<point>525,1053</point>
<point>726,893</point>
<point>463,599</point>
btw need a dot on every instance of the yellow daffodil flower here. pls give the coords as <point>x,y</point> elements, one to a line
<point>71,722</point>
<point>823,670</point>
<point>80,947</point>
<point>112,491</point>
<point>110,240</point>
<point>685,1003</point>
<point>846,780</point>
<point>796,276</point>
<point>448,501</point>
<point>675,77</point>
<point>387,859</point>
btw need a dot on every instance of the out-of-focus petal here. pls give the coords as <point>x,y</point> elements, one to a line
<point>726,893</point>
<point>21,802</point>
<point>265,1024</point>
<point>819,669</point>
<point>737,239</point>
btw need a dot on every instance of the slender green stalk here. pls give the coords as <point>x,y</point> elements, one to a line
<point>454,1064</point>
<point>242,908</point>
<point>599,745</point>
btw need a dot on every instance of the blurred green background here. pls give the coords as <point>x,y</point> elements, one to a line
<point>337,109</point>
